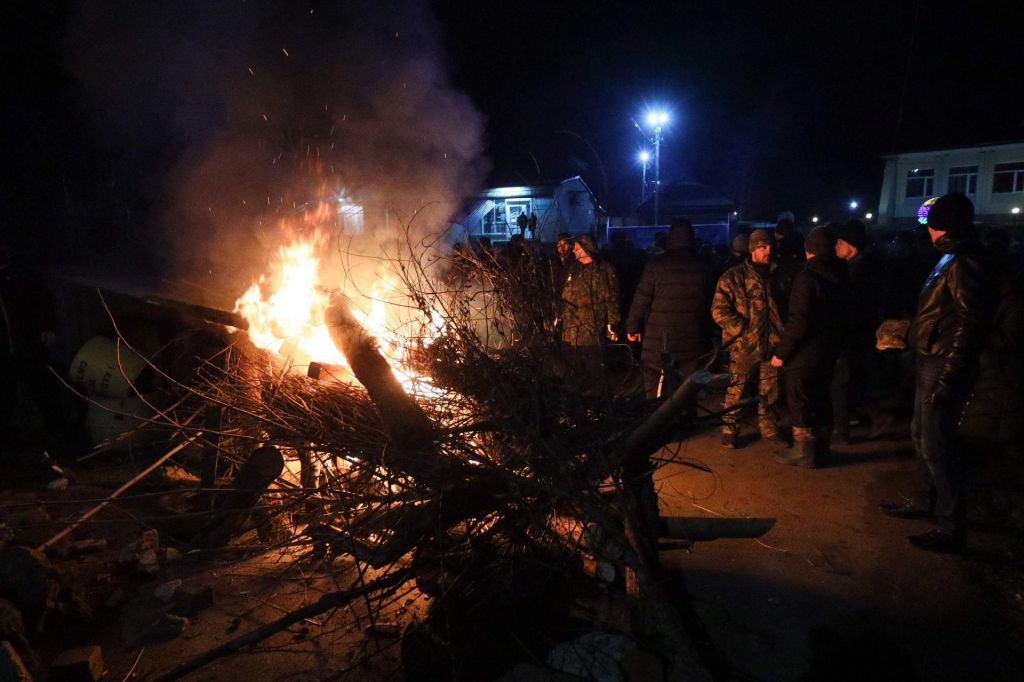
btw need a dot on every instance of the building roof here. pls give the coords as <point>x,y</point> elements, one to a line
<point>986,146</point>
<point>526,191</point>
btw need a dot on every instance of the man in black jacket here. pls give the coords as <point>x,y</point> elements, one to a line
<point>670,313</point>
<point>856,364</point>
<point>947,336</point>
<point>806,354</point>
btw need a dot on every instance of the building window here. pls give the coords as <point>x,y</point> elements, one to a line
<point>920,182</point>
<point>513,208</point>
<point>1008,177</point>
<point>963,179</point>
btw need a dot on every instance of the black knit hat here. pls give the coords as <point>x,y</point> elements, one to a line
<point>952,213</point>
<point>680,235</point>
<point>587,243</point>
<point>820,241</point>
<point>854,233</point>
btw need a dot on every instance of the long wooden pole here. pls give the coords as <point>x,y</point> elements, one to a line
<point>146,472</point>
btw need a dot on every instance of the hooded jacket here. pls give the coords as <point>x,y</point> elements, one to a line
<point>590,302</point>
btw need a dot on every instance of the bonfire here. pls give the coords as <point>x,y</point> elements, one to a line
<point>430,428</point>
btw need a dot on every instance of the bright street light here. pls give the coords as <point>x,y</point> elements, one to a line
<point>814,219</point>
<point>656,119</point>
<point>854,205</point>
<point>1015,210</point>
<point>869,216</point>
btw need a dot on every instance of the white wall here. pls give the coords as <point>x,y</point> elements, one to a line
<point>895,205</point>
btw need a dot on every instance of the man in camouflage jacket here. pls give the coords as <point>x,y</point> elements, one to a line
<point>590,299</point>
<point>746,307</point>
<point>588,311</point>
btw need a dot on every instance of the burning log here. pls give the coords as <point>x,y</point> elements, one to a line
<point>232,509</point>
<point>406,424</point>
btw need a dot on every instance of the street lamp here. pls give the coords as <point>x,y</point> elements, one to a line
<point>868,216</point>
<point>644,157</point>
<point>814,220</point>
<point>656,120</point>
<point>854,204</point>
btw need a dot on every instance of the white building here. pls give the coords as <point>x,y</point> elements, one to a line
<point>991,175</point>
<point>568,206</point>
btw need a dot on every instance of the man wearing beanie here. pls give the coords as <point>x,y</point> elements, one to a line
<point>746,307</point>
<point>856,365</point>
<point>806,354</point>
<point>947,336</point>
<point>669,313</point>
<point>739,249</point>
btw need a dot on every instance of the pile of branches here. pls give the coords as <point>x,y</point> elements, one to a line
<point>495,488</point>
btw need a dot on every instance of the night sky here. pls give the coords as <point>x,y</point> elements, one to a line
<point>781,109</point>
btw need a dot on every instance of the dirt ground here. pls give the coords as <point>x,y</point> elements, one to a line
<point>834,590</point>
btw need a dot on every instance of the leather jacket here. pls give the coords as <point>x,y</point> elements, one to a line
<point>953,310</point>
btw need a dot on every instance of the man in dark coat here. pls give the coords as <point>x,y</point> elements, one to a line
<point>947,336</point>
<point>522,221</point>
<point>670,313</point>
<point>806,354</point>
<point>788,256</point>
<point>857,362</point>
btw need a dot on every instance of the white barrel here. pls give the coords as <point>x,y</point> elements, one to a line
<point>105,368</point>
<point>108,418</point>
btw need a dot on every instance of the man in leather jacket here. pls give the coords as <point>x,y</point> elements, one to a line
<point>947,336</point>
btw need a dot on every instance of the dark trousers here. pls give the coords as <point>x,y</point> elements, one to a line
<point>805,389</point>
<point>661,380</point>
<point>941,474</point>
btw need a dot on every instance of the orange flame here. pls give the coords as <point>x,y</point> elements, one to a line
<point>285,310</point>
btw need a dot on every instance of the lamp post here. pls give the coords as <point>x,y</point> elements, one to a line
<point>645,157</point>
<point>657,120</point>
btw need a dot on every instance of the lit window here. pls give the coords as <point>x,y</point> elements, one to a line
<point>1008,177</point>
<point>963,179</point>
<point>920,182</point>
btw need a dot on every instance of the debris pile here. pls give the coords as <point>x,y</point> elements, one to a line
<point>509,490</point>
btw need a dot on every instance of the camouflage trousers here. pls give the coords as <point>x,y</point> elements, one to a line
<point>744,369</point>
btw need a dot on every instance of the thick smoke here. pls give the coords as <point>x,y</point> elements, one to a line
<point>253,120</point>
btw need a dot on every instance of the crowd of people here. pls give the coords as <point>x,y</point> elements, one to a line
<point>796,317</point>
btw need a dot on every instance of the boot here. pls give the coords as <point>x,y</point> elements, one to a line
<point>802,454</point>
